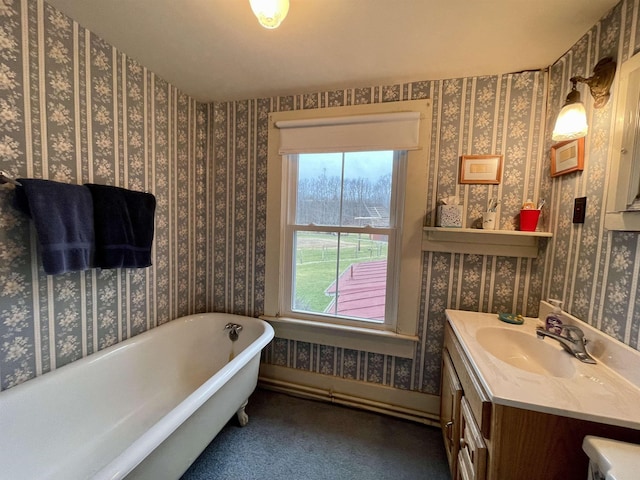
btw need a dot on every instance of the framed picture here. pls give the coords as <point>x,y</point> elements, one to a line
<point>480,169</point>
<point>567,157</point>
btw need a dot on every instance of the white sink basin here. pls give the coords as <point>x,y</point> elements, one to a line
<point>526,352</point>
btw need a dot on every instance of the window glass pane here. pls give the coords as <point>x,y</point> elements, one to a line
<point>344,189</point>
<point>319,189</point>
<point>340,275</point>
<point>367,188</point>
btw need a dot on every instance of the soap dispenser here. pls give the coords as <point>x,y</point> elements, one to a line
<point>553,321</point>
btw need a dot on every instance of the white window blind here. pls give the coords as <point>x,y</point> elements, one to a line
<point>388,131</point>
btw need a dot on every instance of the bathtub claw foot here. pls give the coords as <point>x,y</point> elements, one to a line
<point>243,418</point>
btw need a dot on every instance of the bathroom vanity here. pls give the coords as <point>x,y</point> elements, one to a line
<point>517,407</point>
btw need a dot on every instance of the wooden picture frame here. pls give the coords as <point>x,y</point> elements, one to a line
<point>480,169</point>
<point>567,157</point>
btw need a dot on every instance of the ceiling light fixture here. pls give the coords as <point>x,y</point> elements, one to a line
<point>270,13</point>
<point>572,119</point>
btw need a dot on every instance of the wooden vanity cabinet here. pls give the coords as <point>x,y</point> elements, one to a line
<point>497,442</point>
<point>465,414</point>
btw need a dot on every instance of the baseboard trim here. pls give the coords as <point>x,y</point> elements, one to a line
<point>409,405</point>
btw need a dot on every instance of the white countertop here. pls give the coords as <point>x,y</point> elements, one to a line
<point>615,460</point>
<point>593,392</point>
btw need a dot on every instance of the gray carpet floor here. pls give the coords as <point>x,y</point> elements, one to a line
<point>298,439</point>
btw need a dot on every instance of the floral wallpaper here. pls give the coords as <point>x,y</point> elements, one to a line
<point>592,270</point>
<point>499,114</point>
<point>75,110</point>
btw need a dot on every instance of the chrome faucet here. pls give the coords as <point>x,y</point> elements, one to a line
<point>572,340</point>
<point>233,328</point>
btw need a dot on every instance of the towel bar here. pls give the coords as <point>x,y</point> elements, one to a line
<point>5,178</point>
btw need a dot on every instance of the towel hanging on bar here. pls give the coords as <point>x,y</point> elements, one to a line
<point>63,216</point>
<point>124,225</point>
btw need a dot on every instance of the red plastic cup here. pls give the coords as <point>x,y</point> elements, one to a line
<point>529,220</point>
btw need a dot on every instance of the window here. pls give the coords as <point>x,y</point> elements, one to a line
<point>346,200</point>
<point>341,237</point>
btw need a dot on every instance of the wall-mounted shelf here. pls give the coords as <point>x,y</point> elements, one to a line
<point>506,243</point>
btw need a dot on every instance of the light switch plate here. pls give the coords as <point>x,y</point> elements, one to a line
<point>579,209</point>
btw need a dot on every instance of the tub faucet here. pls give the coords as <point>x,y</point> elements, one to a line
<point>572,340</point>
<point>233,328</point>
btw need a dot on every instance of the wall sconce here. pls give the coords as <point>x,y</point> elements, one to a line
<point>572,119</point>
<point>270,13</point>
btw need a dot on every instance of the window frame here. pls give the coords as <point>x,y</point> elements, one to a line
<point>394,339</point>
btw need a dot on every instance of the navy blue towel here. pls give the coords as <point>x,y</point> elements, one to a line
<point>63,217</point>
<point>124,223</point>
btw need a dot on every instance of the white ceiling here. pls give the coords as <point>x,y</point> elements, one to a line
<point>214,50</point>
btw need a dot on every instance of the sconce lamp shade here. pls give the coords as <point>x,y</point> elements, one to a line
<point>270,13</point>
<point>572,119</point>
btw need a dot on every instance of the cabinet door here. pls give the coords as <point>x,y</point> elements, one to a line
<point>463,473</point>
<point>473,450</point>
<point>451,393</point>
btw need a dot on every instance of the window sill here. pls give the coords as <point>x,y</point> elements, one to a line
<point>355,338</point>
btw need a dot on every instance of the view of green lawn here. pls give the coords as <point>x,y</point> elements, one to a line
<point>315,269</point>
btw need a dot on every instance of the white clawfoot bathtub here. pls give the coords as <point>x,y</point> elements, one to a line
<point>144,408</point>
